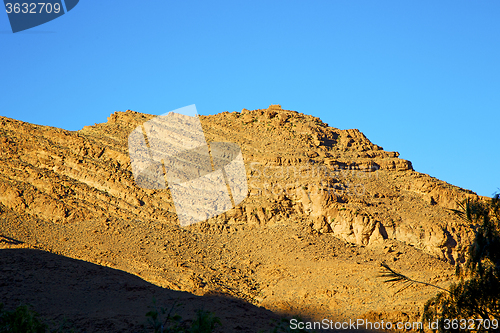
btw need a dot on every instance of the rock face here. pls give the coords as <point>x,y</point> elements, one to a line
<point>296,165</point>
<point>301,172</point>
<point>340,182</point>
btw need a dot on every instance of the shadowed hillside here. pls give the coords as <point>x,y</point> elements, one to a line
<point>100,299</point>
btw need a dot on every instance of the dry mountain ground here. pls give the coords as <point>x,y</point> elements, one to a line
<point>325,208</point>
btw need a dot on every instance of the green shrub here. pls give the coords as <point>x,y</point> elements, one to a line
<point>21,320</point>
<point>205,322</point>
<point>165,320</point>
<point>25,320</point>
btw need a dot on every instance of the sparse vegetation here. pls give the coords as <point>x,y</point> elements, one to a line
<point>23,319</point>
<point>163,320</point>
<point>205,322</point>
<point>166,320</point>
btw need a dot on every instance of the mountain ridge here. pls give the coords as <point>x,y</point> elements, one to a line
<point>316,186</point>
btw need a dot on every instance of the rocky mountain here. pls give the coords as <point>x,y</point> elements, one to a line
<point>325,207</point>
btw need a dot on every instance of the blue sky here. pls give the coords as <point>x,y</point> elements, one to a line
<point>418,77</point>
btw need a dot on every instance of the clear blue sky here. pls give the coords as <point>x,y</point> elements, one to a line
<point>418,77</point>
